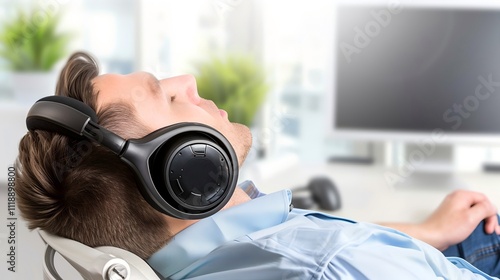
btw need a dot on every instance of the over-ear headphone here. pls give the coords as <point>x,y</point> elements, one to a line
<point>186,170</point>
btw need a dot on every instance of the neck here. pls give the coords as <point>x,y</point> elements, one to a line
<point>177,225</point>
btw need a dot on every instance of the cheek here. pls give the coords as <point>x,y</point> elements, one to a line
<point>161,116</point>
<point>156,117</point>
<point>195,114</point>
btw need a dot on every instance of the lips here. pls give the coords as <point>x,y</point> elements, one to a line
<point>223,113</point>
<point>212,108</point>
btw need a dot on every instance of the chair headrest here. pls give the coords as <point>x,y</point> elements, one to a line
<point>94,263</point>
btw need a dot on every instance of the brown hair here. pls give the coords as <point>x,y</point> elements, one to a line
<point>80,190</point>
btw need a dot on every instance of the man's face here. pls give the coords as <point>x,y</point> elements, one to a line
<point>159,103</point>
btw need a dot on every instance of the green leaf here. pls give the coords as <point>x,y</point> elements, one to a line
<point>30,41</point>
<point>235,83</point>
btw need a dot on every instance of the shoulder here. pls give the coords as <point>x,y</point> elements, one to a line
<point>297,247</point>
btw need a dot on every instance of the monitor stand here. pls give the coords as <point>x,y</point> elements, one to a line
<point>367,159</point>
<point>425,167</point>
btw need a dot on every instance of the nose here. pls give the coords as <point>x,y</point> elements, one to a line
<point>181,88</point>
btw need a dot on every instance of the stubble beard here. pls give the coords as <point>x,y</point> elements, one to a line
<point>243,141</point>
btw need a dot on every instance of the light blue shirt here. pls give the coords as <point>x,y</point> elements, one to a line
<point>263,239</point>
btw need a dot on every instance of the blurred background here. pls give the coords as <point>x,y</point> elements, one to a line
<point>396,102</point>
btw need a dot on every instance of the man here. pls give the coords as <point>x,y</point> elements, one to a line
<point>79,190</point>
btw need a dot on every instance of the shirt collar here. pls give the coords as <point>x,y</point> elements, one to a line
<point>201,238</point>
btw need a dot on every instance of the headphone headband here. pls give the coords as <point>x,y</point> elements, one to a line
<point>70,117</point>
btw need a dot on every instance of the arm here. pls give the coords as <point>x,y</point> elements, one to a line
<point>454,220</point>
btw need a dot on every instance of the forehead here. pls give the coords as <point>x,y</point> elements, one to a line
<point>125,88</point>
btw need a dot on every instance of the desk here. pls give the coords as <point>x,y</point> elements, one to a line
<point>366,195</point>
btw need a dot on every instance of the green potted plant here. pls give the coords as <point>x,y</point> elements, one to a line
<point>31,45</point>
<point>236,83</point>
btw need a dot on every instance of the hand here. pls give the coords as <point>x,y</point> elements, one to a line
<point>457,216</point>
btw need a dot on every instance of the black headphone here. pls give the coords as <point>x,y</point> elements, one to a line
<point>320,192</point>
<point>186,170</point>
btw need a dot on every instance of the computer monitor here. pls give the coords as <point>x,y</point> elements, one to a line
<point>406,71</point>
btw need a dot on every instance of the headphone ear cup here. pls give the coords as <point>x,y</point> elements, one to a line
<point>325,194</point>
<point>197,170</point>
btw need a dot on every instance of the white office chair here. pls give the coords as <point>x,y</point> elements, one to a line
<point>103,263</point>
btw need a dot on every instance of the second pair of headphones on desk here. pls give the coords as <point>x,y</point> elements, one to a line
<point>320,193</point>
<point>186,170</point>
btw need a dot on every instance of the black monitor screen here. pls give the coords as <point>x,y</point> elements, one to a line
<point>418,69</point>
